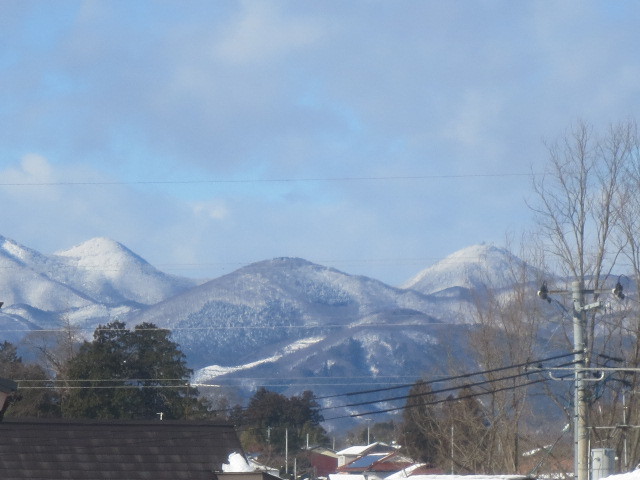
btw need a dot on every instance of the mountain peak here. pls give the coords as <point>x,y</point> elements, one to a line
<point>469,267</point>
<point>100,251</point>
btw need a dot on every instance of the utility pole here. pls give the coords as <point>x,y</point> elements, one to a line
<point>580,436</point>
<point>581,445</point>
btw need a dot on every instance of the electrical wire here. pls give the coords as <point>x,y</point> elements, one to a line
<point>267,180</point>
<point>251,327</point>
<point>117,267</point>
<point>443,390</point>
<point>53,383</point>
<point>433,381</point>
<point>436,402</point>
<point>458,377</point>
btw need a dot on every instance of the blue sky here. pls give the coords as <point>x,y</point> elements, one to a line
<point>376,137</point>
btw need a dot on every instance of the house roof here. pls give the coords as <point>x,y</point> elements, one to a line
<point>365,462</point>
<point>365,449</point>
<point>385,462</point>
<point>100,450</point>
<point>355,450</point>
<point>327,452</point>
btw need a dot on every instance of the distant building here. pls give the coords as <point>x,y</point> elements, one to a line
<point>379,466</point>
<point>323,461</point>
<point>350,454</point>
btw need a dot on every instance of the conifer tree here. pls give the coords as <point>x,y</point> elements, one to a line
<point>270,415</point>
<point>131,374</point>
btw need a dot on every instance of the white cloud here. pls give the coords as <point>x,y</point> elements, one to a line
<point>214,210</point>
<point>262,33</point>
<point>32,169</point>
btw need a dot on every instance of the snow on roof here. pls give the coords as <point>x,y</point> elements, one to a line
<point>405,472</point>
<point>346,476</point>
<point>355,450</point>
<point>339,476</point>
<point>237,463</point>
<point>469,477</point>
<point>635,475</point>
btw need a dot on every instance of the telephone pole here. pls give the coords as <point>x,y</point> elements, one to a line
<point>580,436</point>
<point>581,445</point>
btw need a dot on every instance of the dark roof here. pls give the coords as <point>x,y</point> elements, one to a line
<point>94,450</point>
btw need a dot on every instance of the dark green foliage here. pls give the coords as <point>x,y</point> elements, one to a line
<point>271,416</point>
<point>35,397</point>
<point>130,374</point>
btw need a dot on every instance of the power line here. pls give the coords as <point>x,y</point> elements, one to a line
<point>267,180</point>
<point>445,379</point>
<point>251,327</point>
<point>442,390</point>
<point>458,377</point>
<point>119,266</point>
<point>435,402</point>
<point>61,383</point>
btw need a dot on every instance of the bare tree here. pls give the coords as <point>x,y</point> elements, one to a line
<point>54,350</point>
<point>623,321</point>
<point>584,206</point>
<point>55,347</point>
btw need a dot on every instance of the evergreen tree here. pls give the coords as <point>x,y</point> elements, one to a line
<point>270,416</point>
<point>131,374</point>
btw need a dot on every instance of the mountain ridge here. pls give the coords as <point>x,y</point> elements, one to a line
<point>285,322</point>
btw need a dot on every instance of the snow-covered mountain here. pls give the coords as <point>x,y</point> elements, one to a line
<point>286,323</point>
<point>111,273</point>
<point>474,268</point>
<point>238,318</point>
<point>88,284</point>
<point>24,280</point>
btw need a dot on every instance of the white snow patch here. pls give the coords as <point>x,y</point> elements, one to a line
<point>213,371</point>
<point>635,475</point>
<point>237,463</point>
<point>468,477</point>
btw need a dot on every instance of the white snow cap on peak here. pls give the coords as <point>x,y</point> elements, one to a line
<point>237,463</point>
<point>470,267</point>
